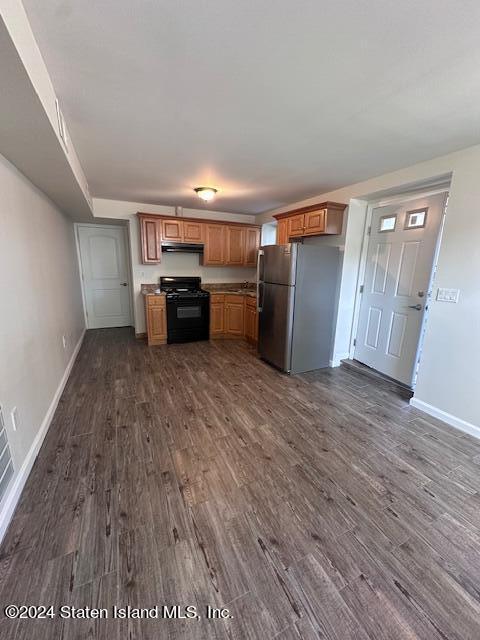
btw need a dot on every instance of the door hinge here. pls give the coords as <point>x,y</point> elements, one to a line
<point>361,288</point>
<point>369,231</point>
<point>354,342</point>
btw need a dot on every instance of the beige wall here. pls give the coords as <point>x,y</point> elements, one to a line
<point>449,376</point>
<point>40,303</point>
<point>180,264</point>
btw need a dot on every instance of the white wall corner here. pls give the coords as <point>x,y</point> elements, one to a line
<point>453,421</point>
<point>16,489</point>
<point>337,358</point>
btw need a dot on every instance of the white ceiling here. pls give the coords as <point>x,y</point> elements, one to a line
<point>272,101</point>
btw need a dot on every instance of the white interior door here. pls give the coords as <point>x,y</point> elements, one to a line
<point>397,285</point>
<point>106,285</point>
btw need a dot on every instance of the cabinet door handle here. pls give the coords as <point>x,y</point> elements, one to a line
<point>418,307</point>
<point>124,284</point>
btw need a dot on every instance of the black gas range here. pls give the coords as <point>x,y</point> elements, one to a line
<point>188,309</point>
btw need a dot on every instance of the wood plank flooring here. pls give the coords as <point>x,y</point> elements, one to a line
<point>316,506</point>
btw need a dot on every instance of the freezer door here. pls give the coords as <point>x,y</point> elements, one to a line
<point>278,263</point>
<point>276,324</point>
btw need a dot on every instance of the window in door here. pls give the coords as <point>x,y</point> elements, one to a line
<point>387,223</point>
<point>416,219</point>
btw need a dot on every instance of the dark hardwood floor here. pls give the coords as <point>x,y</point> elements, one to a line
<point>318,506</point>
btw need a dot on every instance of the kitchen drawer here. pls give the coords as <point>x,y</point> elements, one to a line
<point>233,299</point>
<point>156,301</point>
<point>250,301</point>
<point>217,297</point>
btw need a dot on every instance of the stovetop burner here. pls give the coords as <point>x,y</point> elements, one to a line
<point>182,287</point>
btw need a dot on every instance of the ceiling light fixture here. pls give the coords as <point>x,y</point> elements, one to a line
<point>206,193</point>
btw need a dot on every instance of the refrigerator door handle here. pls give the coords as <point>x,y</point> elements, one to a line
<point>259,296</point>
<point>259,277</point>
<point>260,255</point>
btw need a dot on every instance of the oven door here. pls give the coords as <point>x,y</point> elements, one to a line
<point>188,319</point>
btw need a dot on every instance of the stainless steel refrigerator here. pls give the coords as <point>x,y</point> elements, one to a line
<point>297,291</point>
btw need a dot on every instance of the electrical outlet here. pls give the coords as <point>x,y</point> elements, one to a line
<point>64,342</point>
<point>14,415</point>
<point>447,295</point>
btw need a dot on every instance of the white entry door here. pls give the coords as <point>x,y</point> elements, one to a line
<point>397,285</point>
<point>106,285</point>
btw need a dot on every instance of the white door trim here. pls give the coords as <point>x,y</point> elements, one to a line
<point>77,226</point>
<point>371,205</point>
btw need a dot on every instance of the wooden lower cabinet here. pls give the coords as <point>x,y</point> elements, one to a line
<point>156,316</point>
<point>233,316</point>
<point>251,320</point>
<point>217,311</point>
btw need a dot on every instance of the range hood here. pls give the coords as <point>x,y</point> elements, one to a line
<point>181,247</point>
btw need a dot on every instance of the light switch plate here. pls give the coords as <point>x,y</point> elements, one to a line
<point>447,295</point>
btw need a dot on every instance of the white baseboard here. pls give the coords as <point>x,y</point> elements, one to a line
<point>453,421</point>
<point>16,489</point>
<point>336,361</point>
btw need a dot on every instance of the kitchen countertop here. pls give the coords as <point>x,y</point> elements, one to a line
<point>235,289</point>
<point>252,293</point>
<point>231,288</point>
<point>149,290</point>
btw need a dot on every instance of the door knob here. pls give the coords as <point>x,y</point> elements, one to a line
<point>124,284</point>
<point>418,307</point>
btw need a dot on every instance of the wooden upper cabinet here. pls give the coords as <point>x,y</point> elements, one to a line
<point>214,251</point>
<point>192,232</point>
<point>172,230</point>
<point>325,218</point>
<point>282,231</point>
<point>334,221</point>
<point>235,246</point>
<point>151,240</point>
<point>296,225</point>
<point>315,222</point>
<point>252,244</point>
